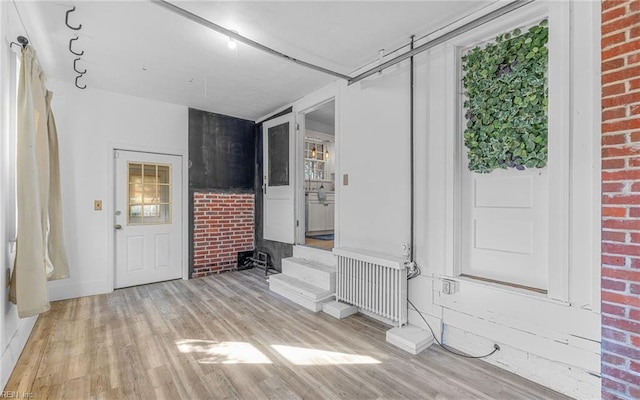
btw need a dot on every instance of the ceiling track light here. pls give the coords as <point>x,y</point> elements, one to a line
<point>232,44</point>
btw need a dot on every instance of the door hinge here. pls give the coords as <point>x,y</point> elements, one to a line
<point>297,222</point>
<point>297,127</point>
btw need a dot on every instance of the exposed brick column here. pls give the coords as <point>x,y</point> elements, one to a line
<point>621,199</point>
<point>223,226</point>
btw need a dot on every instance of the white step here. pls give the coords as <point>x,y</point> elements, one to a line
<point>338,309</point>
<point>311,272</point>
<point>410,338</point>
<point>325,257</point>
<point>302,293</point>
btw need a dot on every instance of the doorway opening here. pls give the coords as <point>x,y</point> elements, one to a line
<point>319,153</point>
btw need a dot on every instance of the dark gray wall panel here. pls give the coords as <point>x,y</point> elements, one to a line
<point>221,151</point>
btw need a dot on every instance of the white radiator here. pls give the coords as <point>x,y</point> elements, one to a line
<point>375,283</point>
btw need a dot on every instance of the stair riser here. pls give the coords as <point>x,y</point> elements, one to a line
<point>297,298</point>
<point>320,256</point>
<point>321,279</point>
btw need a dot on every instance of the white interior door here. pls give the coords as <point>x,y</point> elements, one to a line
<point>505,226</point>
<point>278,183</point>
<point>148,218</point>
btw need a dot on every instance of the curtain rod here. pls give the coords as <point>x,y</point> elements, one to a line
<point>234,35</point>
<point>443,38</point>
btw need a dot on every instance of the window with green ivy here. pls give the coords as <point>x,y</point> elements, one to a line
<point>505,84</point>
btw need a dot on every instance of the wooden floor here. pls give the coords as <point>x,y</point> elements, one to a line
<point>229,337</point>
<point>319,244</point>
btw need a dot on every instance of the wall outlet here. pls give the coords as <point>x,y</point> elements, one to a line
<point>345,179</point>
<point>448,286</point>
<point>405,248</point>
<point>97,205</point>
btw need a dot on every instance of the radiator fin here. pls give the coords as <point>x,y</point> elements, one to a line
<point>373,282</point>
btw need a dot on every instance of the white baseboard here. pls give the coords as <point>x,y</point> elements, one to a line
<point>16,344</point>
<point>566,379</point>
<point>60,290</point>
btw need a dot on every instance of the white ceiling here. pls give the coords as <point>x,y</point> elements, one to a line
<point>141,49</point>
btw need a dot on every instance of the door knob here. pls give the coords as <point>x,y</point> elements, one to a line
<point>118,226</point>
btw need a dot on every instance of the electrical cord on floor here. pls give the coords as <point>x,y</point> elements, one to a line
<point>446,348</point>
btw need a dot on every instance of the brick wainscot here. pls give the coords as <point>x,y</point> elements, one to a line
<point>223,226</point>
<point>621,199</point>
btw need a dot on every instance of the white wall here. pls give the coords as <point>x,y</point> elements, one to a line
<point>90,122</point>
<point>553,340</point>
<point>14,332</point>
<point>374,153</point>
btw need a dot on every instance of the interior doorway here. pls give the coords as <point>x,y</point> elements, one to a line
<point>319,152</point>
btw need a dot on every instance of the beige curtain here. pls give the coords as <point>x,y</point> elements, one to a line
<point>40,252</point>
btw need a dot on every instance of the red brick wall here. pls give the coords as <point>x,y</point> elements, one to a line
<point>223,226</point>
<point>621,199</point>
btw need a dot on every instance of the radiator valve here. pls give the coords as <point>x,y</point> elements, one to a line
<point>411,267</point>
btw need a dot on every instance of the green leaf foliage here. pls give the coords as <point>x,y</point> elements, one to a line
<point>505,83</point>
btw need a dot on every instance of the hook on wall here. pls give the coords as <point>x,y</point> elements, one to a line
<point>78,86</point>
<point>75,68</point>
<point>22,42</point>
<point>75,61</point>
<point>66,20</point>
<point>71,50</point>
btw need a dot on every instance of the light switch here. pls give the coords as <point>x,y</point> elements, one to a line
<point>97,205</point>
<point>345,179</point>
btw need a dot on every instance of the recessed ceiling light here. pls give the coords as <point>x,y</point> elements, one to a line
<point>232,43</point>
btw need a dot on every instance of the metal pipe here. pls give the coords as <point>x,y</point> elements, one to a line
<point>234,35</point>
<point>411,161</point>
<point>443,38</point>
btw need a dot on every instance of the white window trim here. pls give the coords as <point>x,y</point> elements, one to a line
<point>562,222</point>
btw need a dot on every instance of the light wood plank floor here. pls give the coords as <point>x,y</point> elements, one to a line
<point>229,337</point>
<point>319,244</point>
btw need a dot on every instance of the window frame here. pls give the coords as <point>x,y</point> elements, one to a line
<point>559,156</point>
<point>157,203</point>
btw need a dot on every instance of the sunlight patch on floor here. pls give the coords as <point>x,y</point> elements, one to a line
<point>303,356</point>
<point>213,352</point>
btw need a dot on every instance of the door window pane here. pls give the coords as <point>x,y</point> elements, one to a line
<point>149,194</point>
<point>278,153</point>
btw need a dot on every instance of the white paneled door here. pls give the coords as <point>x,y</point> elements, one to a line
<point>505,226</point>
<point>148,218</point>
<point>278,179</point>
